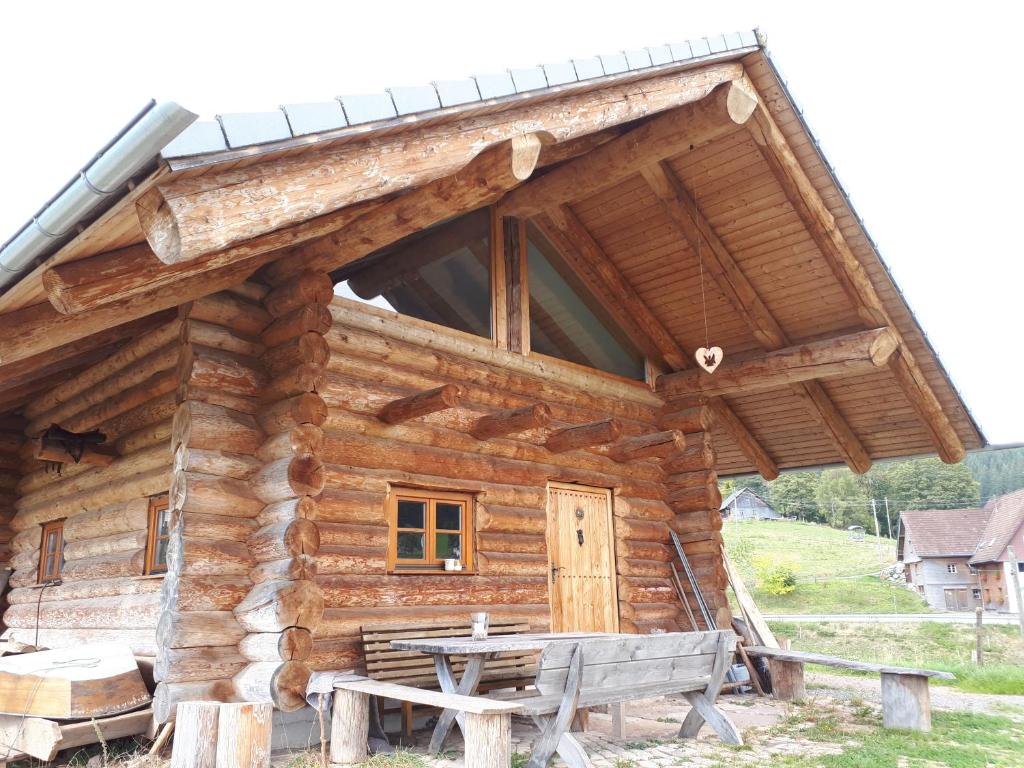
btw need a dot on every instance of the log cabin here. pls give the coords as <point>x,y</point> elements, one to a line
<point>397,358</point>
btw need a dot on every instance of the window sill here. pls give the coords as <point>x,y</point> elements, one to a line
<point>429,572</point>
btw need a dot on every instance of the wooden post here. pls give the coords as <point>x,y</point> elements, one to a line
<point>1015,576</point>
<point>350,727</point>
<point>787,679</point>
<point>195,743</point>
<point>619,720</point>
<point>414,406</point>
<point>905,702</point>
<point>979,636</point>
<point>488,740</point>
<point>243,735</point>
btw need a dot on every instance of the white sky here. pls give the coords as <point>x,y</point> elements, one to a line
<point>915,105</point>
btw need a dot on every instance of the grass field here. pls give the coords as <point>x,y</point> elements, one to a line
<point>834,573</point>
<point>930,645</point>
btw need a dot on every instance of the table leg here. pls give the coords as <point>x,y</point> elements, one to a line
<point>466,686</point>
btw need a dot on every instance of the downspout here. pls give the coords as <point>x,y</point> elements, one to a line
<point>135,148</point>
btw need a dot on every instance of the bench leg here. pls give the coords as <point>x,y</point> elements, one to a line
<point>906,702</point>
<point>787,680</point>
<point>488,740</point>
<point>350,727</point>
<point>705,711</point>
<point>619,720</point>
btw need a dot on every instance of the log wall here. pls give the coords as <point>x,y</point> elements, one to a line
<point>130,397</point>
<point>377,358</point>
<point>11,439</point>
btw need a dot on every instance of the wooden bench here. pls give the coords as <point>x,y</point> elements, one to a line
<point>905,701</point>
<point>597,672</point>
<point>486,724</point>
<point>511,670</point>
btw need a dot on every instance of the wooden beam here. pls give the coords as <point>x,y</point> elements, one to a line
<point>726,418</point>
<point>663,136</point>
<point>589,261</point>
<point>658,445</point>
<point>189,217</point>
<point>510,421</point>
<point>422,404</point>
<point>483,180</point>
<point>850,355</point>
<point>682,209</point>
<point>584,436</point>
<point>852,276</point>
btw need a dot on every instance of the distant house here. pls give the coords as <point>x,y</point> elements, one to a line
<point>958,559</point>
<point>744,504</point>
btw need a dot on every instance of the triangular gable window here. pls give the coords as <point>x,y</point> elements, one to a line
<point>567,322</point>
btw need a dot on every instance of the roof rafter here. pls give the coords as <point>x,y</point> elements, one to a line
<point>852,276</point>
<point>684,213</point>
<point>578,247</point>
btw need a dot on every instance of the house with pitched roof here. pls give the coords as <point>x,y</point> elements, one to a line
<point>959,559</point>
<point>744,504</point>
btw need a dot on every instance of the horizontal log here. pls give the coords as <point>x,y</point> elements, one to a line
<point>305,508</point>
<point>584,436</point>
<point>84,590</point>
<point>141,641</point>
<point>698,456</point>
<point>632,566</point>
<point>693,499</point>
<point>347,534</point>
<point>287,478</point>
<point>649,612</point>
<point>693,419</point>
<point>307,408</point>
<point>291,644</point>
<point>309,348</point>
<point>210,592</point>
<point>183,665</point>
<point>306,377</point>
<point>105,545</point>
<point>286,539</point>
<point>348,559</point>
<point>240,403</point>
<point>306,288</point>
<point>151,433</point>
<point>500,519</point>
<point>231,311</point>
<point>213,495</point>
<point>338,506</point>
<point>195,629</point>
<point>113,612</point>
<point>850,355</point>
<point>339,654</point>
<point>640,530</point>
<point>417,590</point>
<point>696,521</point>
<point>105,566</point>
<point>282,684</point>
<point>131,515</point>
<point>511,564</point>
<point>511,420</point>
<point>226,372</point>
<point>642,509</point>
<point>273,606</point>
<point>203,334</point>
<point>422,404</point>
<point>300,567</point>
<point>153,411</point>
<point>640,549</point>
<point>213,427</point>
<point>225,527</point>
<point>529,544</point>
<point>213,462</point>
<point>658,445</point>
<point>633,589</point>
<point>311,318</point>
<point>214,557</point>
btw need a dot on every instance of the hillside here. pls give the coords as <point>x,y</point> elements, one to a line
<point>834,573</point>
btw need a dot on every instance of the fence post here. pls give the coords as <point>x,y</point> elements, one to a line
<point>979,635</point>
<point>1019,598</point>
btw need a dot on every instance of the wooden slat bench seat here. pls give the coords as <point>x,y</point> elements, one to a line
<point>486,723</point>
<point>514,670</point>
<point>595,672</point>
<point>905,700</point>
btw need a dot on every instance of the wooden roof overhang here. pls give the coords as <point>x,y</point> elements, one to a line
<point>825,362</point>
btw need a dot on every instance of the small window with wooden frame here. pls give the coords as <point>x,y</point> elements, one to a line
<point>159,534</point>
<point>428,528</point>
<point>51,551</point>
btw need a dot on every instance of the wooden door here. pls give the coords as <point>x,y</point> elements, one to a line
<point>581,559</point>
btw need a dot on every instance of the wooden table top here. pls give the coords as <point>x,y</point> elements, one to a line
<point>467,646</point>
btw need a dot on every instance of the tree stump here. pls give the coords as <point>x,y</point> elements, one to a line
<point>787,679</point>
<point>905,702</point>
<point>488,740</point>
<point>350,727</point>
<point>243,735</point>
<point>195,742</point>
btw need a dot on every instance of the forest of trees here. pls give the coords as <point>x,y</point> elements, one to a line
<point>839,498</point>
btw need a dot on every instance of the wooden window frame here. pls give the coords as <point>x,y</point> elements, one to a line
<point>430,563</point>
<point>157,505</point>
<point>47,574</point>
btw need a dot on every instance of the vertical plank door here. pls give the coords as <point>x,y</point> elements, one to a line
<point>582,575</point>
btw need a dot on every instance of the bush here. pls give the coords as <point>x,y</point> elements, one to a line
<point>775,578</point>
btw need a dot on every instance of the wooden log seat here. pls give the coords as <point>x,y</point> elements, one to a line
<point>598,671</point>
<point>905,700</point>
<point>513,670</point>
<point>486,723</point>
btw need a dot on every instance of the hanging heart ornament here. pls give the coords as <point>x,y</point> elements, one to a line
<point>709,359</point>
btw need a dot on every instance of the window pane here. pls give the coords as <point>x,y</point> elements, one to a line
<point>442,275</point>
<point>163,527</point>
<point>410,546</point>
<point>51,542</point>
<point>411,513</point>
<point>567,322</point>
<point>160,556</point>
<point>448,545</point>
<point>448,516</point>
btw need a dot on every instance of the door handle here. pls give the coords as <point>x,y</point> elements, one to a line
<point>554,572</point>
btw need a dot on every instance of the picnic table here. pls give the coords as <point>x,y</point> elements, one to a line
<point>477,654</point>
